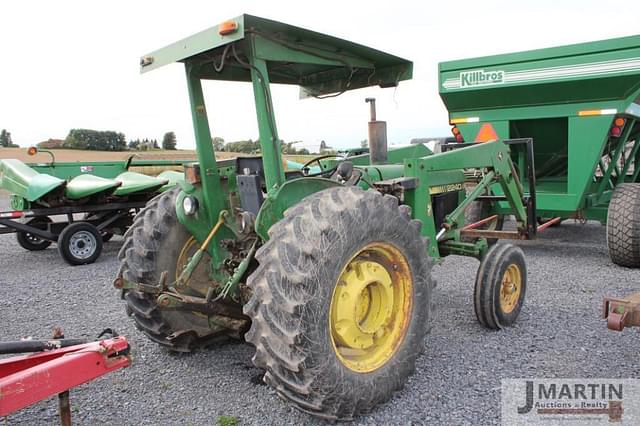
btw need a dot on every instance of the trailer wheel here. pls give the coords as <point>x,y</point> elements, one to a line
<point>157,242</point>
<point>32,242</point>
<point>501,284</point>
<point>340,302</point>
<point>623,225</point>
<point>80,243</point>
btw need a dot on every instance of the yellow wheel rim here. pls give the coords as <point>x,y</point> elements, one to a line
<point>188,249</point>
<point>371,307</point>
<point>510,288</point>
<point>199,281</point>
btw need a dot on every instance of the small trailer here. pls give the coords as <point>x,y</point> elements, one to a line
<point>90,202</point>
<point>581,106</point>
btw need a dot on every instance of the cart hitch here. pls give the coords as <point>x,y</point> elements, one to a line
<point>621,313</point>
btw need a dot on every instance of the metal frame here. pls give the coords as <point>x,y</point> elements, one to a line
<point>27,379</point>
<point>119,210</point>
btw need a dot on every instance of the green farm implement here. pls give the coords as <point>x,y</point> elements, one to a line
<point>94,199</point>
<point>325,270</point>
<point>581,106</point>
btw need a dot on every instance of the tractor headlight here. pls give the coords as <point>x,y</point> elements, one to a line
<point>190,205</point>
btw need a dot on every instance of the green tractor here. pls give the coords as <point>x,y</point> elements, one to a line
<point>325,270</point>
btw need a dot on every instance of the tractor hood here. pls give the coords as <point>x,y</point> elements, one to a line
<point>318,63</point>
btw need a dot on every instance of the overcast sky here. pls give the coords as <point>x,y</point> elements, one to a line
<point>74,64</point>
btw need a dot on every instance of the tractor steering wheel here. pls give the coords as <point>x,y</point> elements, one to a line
<point>317,160</point>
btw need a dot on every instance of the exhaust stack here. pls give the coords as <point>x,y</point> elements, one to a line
<point>377,136</point>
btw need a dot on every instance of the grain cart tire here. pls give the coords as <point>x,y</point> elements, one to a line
<point>478,210</point>
<point>32,242</point>
<point>623,225</point>
<point>333,333</point>
<point>152,245</point>
<point>501,284</point>
<point>80,243</point>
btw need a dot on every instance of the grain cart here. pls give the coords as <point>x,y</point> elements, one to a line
<point>581,106</point>
<point>327,270</point>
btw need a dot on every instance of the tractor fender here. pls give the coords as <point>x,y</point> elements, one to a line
<point>288,195</point>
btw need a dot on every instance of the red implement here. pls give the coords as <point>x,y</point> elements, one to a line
<point>27,379</point>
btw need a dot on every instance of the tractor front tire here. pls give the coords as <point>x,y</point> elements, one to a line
<point>152,245</point>
<point>340,302</point>
<point>501,285</point>
<point>623,225</point>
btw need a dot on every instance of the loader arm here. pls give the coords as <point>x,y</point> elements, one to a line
<point>493,161</point>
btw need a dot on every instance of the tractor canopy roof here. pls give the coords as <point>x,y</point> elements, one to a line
<point>319,63</point>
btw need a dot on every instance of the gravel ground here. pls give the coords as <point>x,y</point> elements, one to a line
<point>559,334</point>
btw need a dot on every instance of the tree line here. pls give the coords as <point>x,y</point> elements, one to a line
<point>253,147</point>
<point>5,139</point>
<point>108,140</point>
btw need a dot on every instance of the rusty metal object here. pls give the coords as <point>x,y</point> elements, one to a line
<point>64,404</point>
<point>506,235</point>
<point>621,313</point>
<point>549,223</point>
<point>480,223</point>
<point>377,136</point>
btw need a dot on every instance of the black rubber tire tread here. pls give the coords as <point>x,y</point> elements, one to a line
<point>488,282</point>
<point>149,243</point>
<point>476,211</point>
<point>24,240</point>
<point>65,237</point>
<point>289,310</point>
<point>623,225</point>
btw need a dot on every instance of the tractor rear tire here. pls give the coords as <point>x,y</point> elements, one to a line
<point>152,245</point>
<point>325,247</point>
<point>501,286</point>
<point>623,225</point>
<point>32,242</point>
